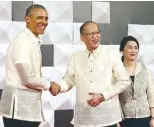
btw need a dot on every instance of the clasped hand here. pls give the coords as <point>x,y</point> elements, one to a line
<point>96,99</point>
<point>54,88</point>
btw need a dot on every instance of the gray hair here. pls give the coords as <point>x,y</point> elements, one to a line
<point>84,24</point>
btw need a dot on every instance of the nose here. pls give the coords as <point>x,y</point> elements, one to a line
<point>95,35</point>
<point>134,50</point>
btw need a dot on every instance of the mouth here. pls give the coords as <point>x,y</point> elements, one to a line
<point>132,54</point>
<point>41,26</point>
<point>94,41</point>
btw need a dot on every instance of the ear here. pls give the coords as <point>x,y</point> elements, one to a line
<point>27,19</point>
<point>81,38</point>
<point>122,52</point>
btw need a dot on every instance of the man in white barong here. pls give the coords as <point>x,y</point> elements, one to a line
<point>20,104</point>
<point>91,70</point>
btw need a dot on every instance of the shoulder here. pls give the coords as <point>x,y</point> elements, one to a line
<point>22,42</point>
<point>21,38</point>
<point>79,53</point>
<point>112,54</point>
<point>143,68</point>
<point>111,51</point>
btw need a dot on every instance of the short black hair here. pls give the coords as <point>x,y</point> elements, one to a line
<point>124,42</point>
<point>33,7</point>
<point>84,24</point>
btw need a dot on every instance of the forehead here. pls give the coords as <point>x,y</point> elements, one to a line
<point>91,27</point>
<point>39,12</point>
<point>131,43</point>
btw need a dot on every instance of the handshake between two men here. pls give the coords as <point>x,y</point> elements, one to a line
<point>55,88</point>
<point>95,100</point>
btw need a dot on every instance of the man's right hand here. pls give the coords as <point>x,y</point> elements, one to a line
<point>55,88</point>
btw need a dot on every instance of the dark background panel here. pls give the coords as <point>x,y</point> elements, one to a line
<point>63,118</point>
<point>0,93</point>
<point>82,11</point>
<point>19,9</point>
<point>47,55</point>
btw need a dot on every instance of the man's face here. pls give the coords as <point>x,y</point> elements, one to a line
<point>37,21</point>
<point>91,36</point>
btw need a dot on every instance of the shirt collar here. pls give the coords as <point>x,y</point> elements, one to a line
<point>95,52</point>
<point>138,68</point>
<point>35,39</point>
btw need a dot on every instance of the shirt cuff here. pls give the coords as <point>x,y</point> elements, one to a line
<point>151,104</point>
<point>64,86</point>
<point>106,95</point>
<point>47,87</point>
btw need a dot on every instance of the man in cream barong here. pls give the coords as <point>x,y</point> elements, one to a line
<point>91,70</point>
<point>20,104</point>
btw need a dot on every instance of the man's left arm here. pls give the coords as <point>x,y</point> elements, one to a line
<point>122,79</point>
<point>122,82</point>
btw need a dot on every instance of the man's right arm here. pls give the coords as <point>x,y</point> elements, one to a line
<point>21,56</point>
<point>28,77</point>
<point>68,80</point>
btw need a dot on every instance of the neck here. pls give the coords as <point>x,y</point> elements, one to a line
<point>32,32</point>
<point>36,35</point>
<point>130,66</point>
<point>91,49</point>
<point>128,63</point>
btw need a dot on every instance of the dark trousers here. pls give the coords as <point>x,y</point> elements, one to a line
<point>136,122</point>
<point>19,123</point>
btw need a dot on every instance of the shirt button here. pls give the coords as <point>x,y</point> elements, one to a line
<point>91,81</point>
<point>91,70</point>
<point>134,98</point>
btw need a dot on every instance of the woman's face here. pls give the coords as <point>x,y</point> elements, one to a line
<point>130,51</point>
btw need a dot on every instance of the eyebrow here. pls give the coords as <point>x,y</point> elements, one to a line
<point>42,16</point>
<point>132,46</point>
<point>92,31</point>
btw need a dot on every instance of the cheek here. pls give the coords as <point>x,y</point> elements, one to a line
<point>126,53</point>
<point>136,50</point>
<point>99,36</point>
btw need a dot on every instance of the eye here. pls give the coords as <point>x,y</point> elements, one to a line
<point>129,47</point>
<point>97,33</point>
<point>46,18</point>
<point>40,17</point>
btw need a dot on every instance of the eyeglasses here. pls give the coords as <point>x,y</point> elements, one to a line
<point>92,33</point>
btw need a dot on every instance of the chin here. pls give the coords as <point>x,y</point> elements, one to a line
<point>41,33</point>
<point>132,59</point>
<point>95,46</point>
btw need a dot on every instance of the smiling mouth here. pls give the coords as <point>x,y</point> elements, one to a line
<point>132,54</point>
<point>94,41</point>
<point>42,27</point>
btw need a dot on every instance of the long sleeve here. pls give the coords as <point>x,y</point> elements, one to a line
<point>23,58</point>
<point>150,90</point>
<point>68,80</point>
<point>27,77</point>
<point>122,78</point>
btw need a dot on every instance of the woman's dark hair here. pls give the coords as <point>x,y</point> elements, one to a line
<point>124,42</point>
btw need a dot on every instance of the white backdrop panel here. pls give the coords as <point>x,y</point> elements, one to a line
<point>59,11</point>
<point>101,12</point>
